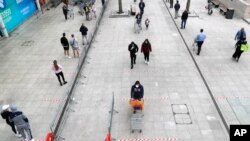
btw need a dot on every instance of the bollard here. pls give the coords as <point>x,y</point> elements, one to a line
<point>108,137</point>
<point>50,136</point>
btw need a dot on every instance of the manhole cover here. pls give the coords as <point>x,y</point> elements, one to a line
<point>180,109</point>
<point>27,43</point>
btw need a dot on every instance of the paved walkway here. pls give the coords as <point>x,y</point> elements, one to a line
<point>26,59</point>
<point>171,81</point>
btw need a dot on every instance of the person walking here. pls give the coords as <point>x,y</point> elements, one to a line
<point>84,30</point>
<point>141,6</point>
<point>184,18</point>
<point>87,11</point>
<point>137,93</point>
<point>133,49</point>
<point>241,46</point>
<point>22,124</point>
<point>75,47</point>
<point>65,45</point>
<point>103,2</point>
<point>171,3</point>
<point>58,71</point>
<point>200,38</point>
<point>138,19</point>
<point>6,115</point>
<point>240,35</point>
<point>147,21</point>
<point>176,8</point>
<point>93,9</point>
<point>65,11</point>
<point>146,49</point>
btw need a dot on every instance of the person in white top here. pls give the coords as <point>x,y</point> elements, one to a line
<point>74,44</point>
<point>58,71</point>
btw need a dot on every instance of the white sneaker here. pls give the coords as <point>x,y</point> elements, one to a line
<point>32,140</point>
<point>148,63</point>
<point>69,57</point>
<point>18,135</point>
<point>145,62</point>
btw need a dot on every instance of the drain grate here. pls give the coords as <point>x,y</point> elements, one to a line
<point>181,114</point>
<point>28,43</point>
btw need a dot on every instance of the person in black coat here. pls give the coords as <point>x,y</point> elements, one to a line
<point>184,18</point>
<point>84,30</point>
<point>141,6</point>
<point>238,51</point>
<point>137,91</point>
<point>176,8</point>
<point>171,3</point>
<point>133,49</point>
<point>6,115</point>
<point>65,45</point>
<point>65,11</point>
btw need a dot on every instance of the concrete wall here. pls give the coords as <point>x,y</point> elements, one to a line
<point>242,7</point>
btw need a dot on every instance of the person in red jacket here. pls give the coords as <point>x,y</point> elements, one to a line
<point>146,49</point>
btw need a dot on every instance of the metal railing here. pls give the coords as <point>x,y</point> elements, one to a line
<point>60,118</point>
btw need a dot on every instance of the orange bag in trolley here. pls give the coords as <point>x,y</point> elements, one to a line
<point>137,104</point>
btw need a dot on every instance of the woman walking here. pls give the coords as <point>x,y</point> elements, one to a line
<point>146,49</point>
<point>58,71</point>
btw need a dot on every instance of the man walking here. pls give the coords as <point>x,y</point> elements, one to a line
<point>241,46</point>
<point>22,124</point>
<point>6,115</point>
<point>65,11</point>
<point>65,44</point>
<point>171,3</point>
<point>84,30</point>
<point>240,35</point>
<point>141,6</point>
<point>184,18</point>
<point>176,8</point>
<point>200,38</point>
<point>133,49</point>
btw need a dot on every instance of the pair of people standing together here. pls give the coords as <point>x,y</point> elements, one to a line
<point>145,49</point>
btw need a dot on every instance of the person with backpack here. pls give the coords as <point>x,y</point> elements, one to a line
<point>75,47</point>
<point>6,115</point>
<point>84,30</point>
<point>22,124</point>
<point>241,46</point>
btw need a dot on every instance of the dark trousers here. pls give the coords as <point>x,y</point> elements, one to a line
<point>133,59</point>
<point>199,44</point>
<point>183,23</point>
<point>103,2</point>
<point>237,53</point>
<point>141,11</point>
<point>58,76</point>
<point>66,15</point>
<point>12,125</point>
<point>146,56</point>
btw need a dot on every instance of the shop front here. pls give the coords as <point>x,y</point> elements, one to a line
<point>14,12</point>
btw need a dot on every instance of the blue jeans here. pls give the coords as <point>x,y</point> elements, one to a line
<point>183,23</point>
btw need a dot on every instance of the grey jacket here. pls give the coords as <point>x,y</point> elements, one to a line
<point>19,119</point>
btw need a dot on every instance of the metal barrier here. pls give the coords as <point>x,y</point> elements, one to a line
<point>59,119</point>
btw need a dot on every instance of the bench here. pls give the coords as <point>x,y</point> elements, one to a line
<point>216,3</point>
<point>223,9</point>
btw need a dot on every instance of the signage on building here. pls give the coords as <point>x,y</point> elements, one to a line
<point>14,12</point>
